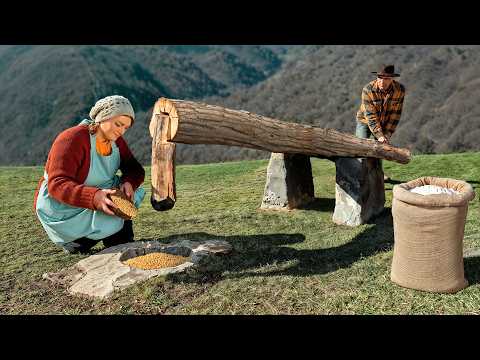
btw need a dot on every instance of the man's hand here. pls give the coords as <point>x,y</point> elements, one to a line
<point>127,188</point>
<point>102,202</point>
<point>383,139</point>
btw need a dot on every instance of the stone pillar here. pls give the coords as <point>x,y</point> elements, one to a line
<point>359,190</point>
<point>289,182</point>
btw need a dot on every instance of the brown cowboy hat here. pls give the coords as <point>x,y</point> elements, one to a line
<point>386,71</point>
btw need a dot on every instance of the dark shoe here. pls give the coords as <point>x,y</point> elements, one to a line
<point>79,246</point>
<point>128,229</point>
<point>125,235</point>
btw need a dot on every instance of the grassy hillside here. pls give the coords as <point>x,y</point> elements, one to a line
<point>296,262</point>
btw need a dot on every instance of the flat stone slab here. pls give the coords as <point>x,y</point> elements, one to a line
<point>99,275</point>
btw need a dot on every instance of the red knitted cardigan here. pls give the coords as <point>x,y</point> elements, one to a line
<point>68,163</point>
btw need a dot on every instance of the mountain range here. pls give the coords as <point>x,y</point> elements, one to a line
<point>45,89</point>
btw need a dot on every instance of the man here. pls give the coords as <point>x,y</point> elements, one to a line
<point>381,108</point>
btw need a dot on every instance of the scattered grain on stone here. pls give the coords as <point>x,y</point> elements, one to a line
<point>155,260</point>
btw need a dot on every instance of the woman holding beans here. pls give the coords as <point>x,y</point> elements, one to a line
<point>72,198</point>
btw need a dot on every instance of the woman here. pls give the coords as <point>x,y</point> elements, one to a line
<point>71,200</point>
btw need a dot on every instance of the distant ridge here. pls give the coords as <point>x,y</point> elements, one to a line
<point>45,89</point>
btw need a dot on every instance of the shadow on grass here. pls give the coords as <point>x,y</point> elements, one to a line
<point>473,183</point>
<point>320,204</point>
<point>251,253</point>
<point>472,269</point>
<point>393,182</point>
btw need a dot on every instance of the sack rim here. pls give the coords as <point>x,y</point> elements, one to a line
<point>402,192</point>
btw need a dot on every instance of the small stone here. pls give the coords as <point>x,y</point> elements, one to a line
<point>198,257</point>
<point>216,247</point>
<point>177,250</point>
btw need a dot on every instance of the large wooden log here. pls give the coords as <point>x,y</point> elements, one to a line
<point>198,123</point>
<point>163,164</point>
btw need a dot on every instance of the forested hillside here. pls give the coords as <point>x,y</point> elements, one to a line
<point>44,89</point>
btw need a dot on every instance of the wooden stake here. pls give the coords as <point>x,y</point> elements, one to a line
<point>163,164</point>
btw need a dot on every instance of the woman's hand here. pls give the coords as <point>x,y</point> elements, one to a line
<point>127,188</point>
<point>102,202</point>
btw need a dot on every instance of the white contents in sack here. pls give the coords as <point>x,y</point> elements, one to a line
<point>433,189</point>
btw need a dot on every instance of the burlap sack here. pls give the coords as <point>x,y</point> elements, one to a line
<point>428,232</point>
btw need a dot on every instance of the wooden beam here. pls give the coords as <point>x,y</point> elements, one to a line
<point>199,123</point>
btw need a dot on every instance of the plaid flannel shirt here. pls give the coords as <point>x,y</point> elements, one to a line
<point>381,110</point>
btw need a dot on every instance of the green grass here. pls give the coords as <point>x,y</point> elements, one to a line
<point>296,262</point>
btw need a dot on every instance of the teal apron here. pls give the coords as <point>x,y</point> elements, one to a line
<point>65,223</point>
